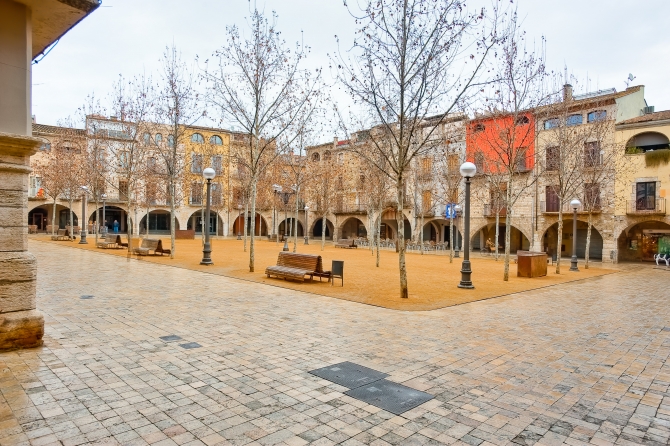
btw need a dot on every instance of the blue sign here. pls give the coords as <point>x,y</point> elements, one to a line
<point>450,211</point>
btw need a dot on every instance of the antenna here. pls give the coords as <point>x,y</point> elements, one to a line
<point>630,79</point>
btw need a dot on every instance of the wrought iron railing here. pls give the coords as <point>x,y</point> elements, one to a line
<point>646,205</point>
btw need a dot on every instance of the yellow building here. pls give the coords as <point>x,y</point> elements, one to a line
<point>643,180</point>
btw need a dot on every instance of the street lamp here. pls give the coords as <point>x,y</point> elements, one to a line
<point>82,240</point>
<point>239,234</point>
<point>306,226</point>
<point>574,204</point>
<point>285,197</point>
<point>104,220</point>
<point>209,175</point>
<point>457,209</point>
<point>468,170</point>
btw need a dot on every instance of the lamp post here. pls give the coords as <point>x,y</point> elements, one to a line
<point>468,170</point>
<point>239,234</point>
<point>104,220</point>
<point>457,209</point>
<point>306,226</point>
<point>574,204</point>
<point>209,175</point>
<point>82,240</point>
<point>285,197</point>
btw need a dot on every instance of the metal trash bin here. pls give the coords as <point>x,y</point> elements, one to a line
<point>337,270</point>
<point>531,264</point>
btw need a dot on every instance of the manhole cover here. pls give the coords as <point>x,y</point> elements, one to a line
<point>348,374</point>
<point>190,345</point>
<point>87,296</point>
<point>390,396</point>
<point>170,338</point>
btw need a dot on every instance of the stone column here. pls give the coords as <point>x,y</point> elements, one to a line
<point>21,325</point>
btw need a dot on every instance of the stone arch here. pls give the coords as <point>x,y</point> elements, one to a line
<point>159,222</point>
<point>317,226</point>
<point>281,230</point>
<point>41,211</point>
<point>194,222</point>
<point>352,227</point>
<point>261,225</point>
<point>642,239</point>
<point>647,141</point>
<point>389,219</point>
<point>518,239</point>
<point>438,231</point>
<point>550,237</point>
<point>112,213</point>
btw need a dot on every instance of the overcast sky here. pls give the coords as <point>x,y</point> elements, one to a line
<point>602,39</point>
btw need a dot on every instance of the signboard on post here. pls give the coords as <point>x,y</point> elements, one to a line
<point>450,211</point>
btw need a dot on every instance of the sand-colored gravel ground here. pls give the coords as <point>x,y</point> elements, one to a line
<point>432,279</point>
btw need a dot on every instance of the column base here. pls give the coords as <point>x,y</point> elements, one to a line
<point>21,329</point>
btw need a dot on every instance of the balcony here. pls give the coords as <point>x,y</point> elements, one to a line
<point>490,211</point>
<point>346,208</point>
<point>552,208</point>
<point>646,206</point>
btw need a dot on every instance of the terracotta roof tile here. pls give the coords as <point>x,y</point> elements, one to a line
<point>651,117</point>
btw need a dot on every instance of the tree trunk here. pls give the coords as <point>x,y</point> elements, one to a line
<point>53,218</point>
<point>97,222</point>
<point>559,240</point>
<point>421,234</point>
<point>245,228</point>
<point>497,234</point>
<point>129,225</point>
<point>252,243</point>
<point>371,234</point>
<point>71,221</point>
<point>404,292</point>
<point>295,225</point>
<point>323,232</point>
<point>508,230</point>
<point>173,219</point>
<point>451,236</point>
<point>377,235</point>
<point>588,243</point>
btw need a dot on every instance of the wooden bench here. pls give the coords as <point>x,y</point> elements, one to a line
<point>62,234</point>
<point>111,241</point>
<point>148,245</point>
<point>32,229</point>
<point>346,243</point>
<point>296,266</point>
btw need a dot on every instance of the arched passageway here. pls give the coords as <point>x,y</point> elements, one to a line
<point>643,240</point>
<point>114,218</point>
<point>317,229</point>
<point>290,231</point>
<point>261,226</point>
<point>550,239</point>
<point>159,222</point>
<point>518,241</point>
<point>353,228</point>
<point>195,222</point>
<point>40,217</point>
<point>389,226</point>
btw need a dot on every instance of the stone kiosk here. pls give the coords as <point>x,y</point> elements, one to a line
<point>27,28</point>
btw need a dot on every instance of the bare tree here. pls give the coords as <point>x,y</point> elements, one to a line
<point>177,107</point>
<point>413,59</point>
<point>53,169</point>
<point>260,87</point>
<point>321,190</point>
<point>448,178</point>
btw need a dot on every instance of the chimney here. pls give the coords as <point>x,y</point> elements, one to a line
<point>335,141</point>
<point>567,92</point>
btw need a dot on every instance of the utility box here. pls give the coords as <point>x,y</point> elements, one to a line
<point>531,264</point>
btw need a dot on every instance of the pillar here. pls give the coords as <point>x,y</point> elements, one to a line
<point>21,324</point>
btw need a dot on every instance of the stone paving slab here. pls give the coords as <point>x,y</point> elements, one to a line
<point>580,363</point>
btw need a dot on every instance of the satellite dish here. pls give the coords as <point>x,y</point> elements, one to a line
<point>631,77</point>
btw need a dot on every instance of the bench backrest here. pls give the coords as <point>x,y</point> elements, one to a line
<point>62,233</point>
<point>302,261</point>
<point>150,243</point>
<point>346,241</point>
<point>110,238</point>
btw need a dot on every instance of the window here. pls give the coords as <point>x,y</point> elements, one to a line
<point>196,193</point>
<point>592,196</point>
<point>123,190</point>
<point>45,147</point>
<point>326,155</point>
<point>551,123</point>
<point>522,159</point>
<point>598,115</point>
<point>159,138</point>
<point>123,160</point>
<point>216,198</point>
<point>363,136</point>
<point>553,160</point>
<point>592,154</point>
<point>197,137</point>
<point>196,163</point>
<point>340,158</point>
<point>452,161</point>
<point>217,164</point>
<point>479,162</point>
<point>216,140</point>
<point>35,186</point>
<point>574,120</point>
<point>151,164</point>
<point>147,139</point>
<point>498,195</point>
<point>645,196</point>
<point>553,203</point>
<point>170,141</point>
<point>426,167</point>
<point>523,120</point>
<point>426,201</point>
<point>151,193</point>
<point>316,157</point>
<point>479,128</point>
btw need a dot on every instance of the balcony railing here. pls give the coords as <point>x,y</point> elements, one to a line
<point>567,209</point>
<point>646,206</point>
<point>347,208</point>
<point>490,210</point>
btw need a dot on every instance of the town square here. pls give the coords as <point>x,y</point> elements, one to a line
<point>385,222</point>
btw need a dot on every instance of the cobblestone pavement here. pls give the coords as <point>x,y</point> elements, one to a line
<point>578,363</point>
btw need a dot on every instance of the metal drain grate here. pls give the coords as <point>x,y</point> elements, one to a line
<point>390,396</point>
<point>190,345</point>
<point>170,338</point>
<point>348,374</point>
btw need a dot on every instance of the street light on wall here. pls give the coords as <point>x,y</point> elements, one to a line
<point>306,226</point>
<point>209,175</point>
<point>82,240</point>
<point>468,170</point>
<point>574,204</point>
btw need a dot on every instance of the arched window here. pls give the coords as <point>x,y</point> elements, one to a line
<point>170,141</point>
<point>197,137</point>
<point>316,157</point>
<point>574,120</point>
<point>216,140</point>
<point>598,115</point>
<point>159,138</point>
<point>147,138</point>
<point>326,155</point>
<point>46,146</point>
<point>522,120</point>
<point>479,128</point>
<point>551,123</point>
